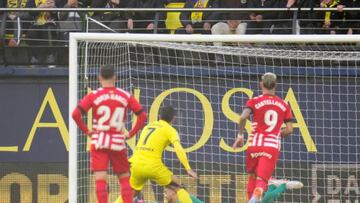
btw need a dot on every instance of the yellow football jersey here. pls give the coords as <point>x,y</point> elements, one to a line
<point>154,138</point>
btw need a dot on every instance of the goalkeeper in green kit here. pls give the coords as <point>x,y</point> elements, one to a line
<point>276,188</point>
<point>171,197</point>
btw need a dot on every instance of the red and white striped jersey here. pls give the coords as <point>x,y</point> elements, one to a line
<point>269,113</point>
<point>109,108</point>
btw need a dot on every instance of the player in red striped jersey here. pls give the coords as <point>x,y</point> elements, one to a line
<point>108,135</point>
<point>269,113</point>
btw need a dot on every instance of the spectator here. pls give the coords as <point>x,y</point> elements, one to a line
<point>199,22</point>
<point>12,26</point>
<point>42,31</point>
<point>283,23</point>
<point>331,21</point>
<point>70,21</point>
<point>117,21</point>
<point>308,23</point>
<point>145,21</point>
<point>352,18</point>
<point>2,24</point>
<point>232,22</point>
<point>172,19</point>
<point>261,22</point>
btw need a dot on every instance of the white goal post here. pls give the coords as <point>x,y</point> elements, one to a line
<point>322,86</point>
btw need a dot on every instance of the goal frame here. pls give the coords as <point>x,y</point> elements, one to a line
<point>99,37</point>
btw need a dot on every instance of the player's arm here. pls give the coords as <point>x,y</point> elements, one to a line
<point>82,108</point>
<point>287,130</point>
<point>288,123</point>
<point>181,154</point>
<point>242,121</point>
<point>136,107</point>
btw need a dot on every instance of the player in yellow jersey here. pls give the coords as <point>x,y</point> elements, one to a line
<point>146,162</point>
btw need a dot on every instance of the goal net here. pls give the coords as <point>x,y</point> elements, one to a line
<point>209,86</point>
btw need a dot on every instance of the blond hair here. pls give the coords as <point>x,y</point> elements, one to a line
<point>269,80</point>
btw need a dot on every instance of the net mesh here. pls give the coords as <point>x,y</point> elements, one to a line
<point>209,86</point>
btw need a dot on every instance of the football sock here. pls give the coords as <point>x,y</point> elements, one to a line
<point>257,195</point>
<point>251,186</point>
<point>260,183</point>
<point>126,191</point>
<point>183,196</point>
<point>101,191</point>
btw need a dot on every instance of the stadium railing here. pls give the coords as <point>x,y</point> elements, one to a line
<point>20,53</point>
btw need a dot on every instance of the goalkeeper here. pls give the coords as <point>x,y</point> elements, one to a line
<point>171,197</point>
<point>146,162</point>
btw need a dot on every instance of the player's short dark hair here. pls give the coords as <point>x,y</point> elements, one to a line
<point>269,80</point>
<point>174,186</point>
<point>167,113</point>
<point>107,72</point>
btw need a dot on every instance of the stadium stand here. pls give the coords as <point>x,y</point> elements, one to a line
<point>351,24</point>
<point>232,22</point>
<point>70,21</point>
<point>146,22</point>
<point>116,22</point>
<point>34,61</point>
<point>23,32</point>
<point>198,22</point>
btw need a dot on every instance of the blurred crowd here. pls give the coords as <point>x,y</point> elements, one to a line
<point>36,28</point>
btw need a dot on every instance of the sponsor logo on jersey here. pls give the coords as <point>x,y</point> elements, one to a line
<point>258,154</point>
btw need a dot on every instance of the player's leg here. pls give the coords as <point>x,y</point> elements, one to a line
<point>251,184</point>
<point>265,166</point>
<point>279,186</point>
<point>134,183</point>
<point>99,165</point>
<point>125,188</point>
<point>273,193</point>
<point>182,194</point>
<point>164,177</point>
<point>139,175</point>
<point>120,165</point>
<point>271,187</point>
<point>260,188</point>
<point>251,163</point>
<point>101,186</point>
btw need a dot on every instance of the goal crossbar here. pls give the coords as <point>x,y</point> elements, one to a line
<point>114,37</point>
<point>215,38</point>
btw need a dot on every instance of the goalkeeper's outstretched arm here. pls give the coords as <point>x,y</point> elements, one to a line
<point>181,154</point>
